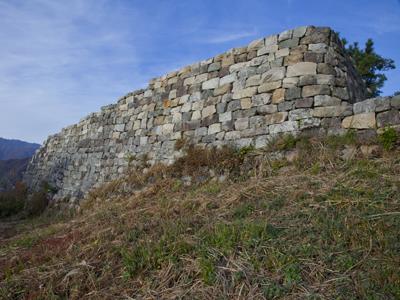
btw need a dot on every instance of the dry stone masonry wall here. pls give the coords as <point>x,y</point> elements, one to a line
<point>297,80</point>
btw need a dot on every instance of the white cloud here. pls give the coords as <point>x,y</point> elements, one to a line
<point>229,37</point>
<point>52,72</point>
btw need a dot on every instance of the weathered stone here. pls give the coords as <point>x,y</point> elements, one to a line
<point>360,121</point>
<point>269,86</point>
<point>227,116</point>
<point>224,89</point>
<point>245,103</point>
<point>285,35</point>
<point>293,58</point>
<point>313,57</point>
<point>221,107</point>
<point>271,40</point>
<point>325,79</point>
<point>214,67</point>
<point>262,141</point>
<point>331,111</point>
<point>267,109</point>
<point>290,43</point>
<point>261,99</point>
<point>316,35</point>
<point>214,128</point>
<point>282,53</point>
<point>304,103</point>
<point>300,31</point>
<point>267,49</point>
<point>382,104</point>
<point>299,114</point>
<point>275,118</point>
<point>325,100</point>
<point>313,90</point>
<point>233,105</point>
<point>274,74</point>
<point>318,48</point>
<point>286,105</point>
<point>341,93</point>
<point>391,117</point>
<point>244,93</point>
<point>326,69</point>
<point>395,102</point>
<point>293,93</point>
<point>302,68</point>
<point>208,111</point>
<point>307,80</point>
<point>196,115</point>
<point>309,123</point>
<point>290,82</point>
<point>288,126</point>
<point>227,79</point>
<point>242,123</point>
<point>210,84</point>
<point>232,135</point>
<point>257,44</point>
<point>278,96</point>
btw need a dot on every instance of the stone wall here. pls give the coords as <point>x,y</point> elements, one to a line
<point>297,80</point>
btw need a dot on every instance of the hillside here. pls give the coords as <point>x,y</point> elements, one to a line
<point>302,219</point>
<point>11,171</point>
<point>15,149</point>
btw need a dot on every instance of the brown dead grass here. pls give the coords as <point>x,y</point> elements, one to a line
<point>320,227</point>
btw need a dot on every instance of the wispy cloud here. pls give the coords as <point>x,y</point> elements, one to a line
<point>50,66</point>
<point>229,37</point>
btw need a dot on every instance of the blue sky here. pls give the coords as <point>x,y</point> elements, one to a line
<point>60,60</point>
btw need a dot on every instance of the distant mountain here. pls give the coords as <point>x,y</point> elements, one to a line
<point>15,149</point>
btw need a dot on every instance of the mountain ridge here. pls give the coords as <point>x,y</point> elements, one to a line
<point>16,149</point>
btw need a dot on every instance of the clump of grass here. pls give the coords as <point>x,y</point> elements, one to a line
<point>388,138</point>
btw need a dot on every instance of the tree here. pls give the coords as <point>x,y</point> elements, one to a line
<point>369,65</point>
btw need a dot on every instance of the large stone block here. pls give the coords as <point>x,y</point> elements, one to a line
<point>278,96</point>
<point>313,90</point>
<point>360,121</point>
<point>269,86</point>
<point>387,118</point>
<point>288,126</point>
<point>210,84</point>
<point>244,93</point>
<point>302,68</point>
<point>325,100</point>
<point>274,74</point>
<point>275,118</point>
<point>332,111</point>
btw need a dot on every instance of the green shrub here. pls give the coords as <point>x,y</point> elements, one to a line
<point>388,138</point>
<point>37,203</point>
<point>13,202</point>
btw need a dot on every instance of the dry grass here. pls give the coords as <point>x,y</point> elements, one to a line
<point>319,227</point>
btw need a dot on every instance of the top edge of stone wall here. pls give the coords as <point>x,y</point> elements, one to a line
<point>256,44</point>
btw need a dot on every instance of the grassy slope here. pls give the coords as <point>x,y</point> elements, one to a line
<point>317,228</point>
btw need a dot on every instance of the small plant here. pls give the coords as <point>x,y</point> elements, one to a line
<point>207,270</point>
<point>242,152</point>
<point>286,142</point>
<point>129,158</point>
<point>48,188</point>
<point>388,138</point>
